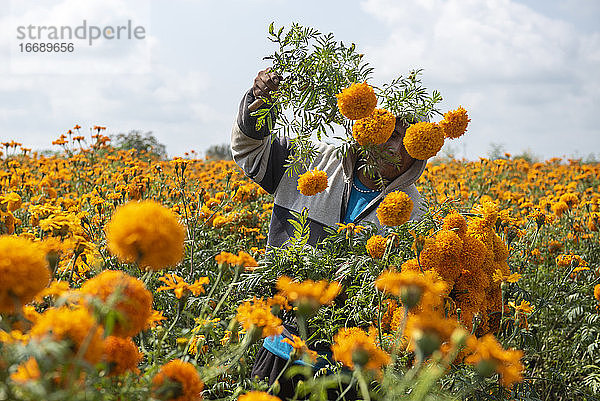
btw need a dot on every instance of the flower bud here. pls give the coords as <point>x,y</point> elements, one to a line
<point>426,342</point>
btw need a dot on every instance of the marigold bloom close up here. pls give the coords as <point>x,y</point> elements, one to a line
<point>258,396</point>
<point>147,233</point>
<point>257,313</point>
<point>75,325</point>
<point>455,123</point>
<point>321,292</point>
<point>376,246</point>
<point>130,299</point>
<point>423,140</point>
<point>353,346</point>
<point>312,182</point>
<point>121,355</point>
<point>395,209</point>
<point>177,381</point>
<point>357,101</point>
<point>375,129</point>
<point>489,357</point>
<point>23,271</point>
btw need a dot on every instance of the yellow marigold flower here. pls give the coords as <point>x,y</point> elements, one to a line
<point>455,221</point>
<point>241,259</point>
<point>121,355</point>
<point>155,319</point>
<point>375,129</point>
<point>412,286</point>
<point>180,287</point>
<point>449,247</point>
<point>133,301</point>
<point>147,233</point>
<point>570,199</point>
<point>395,209</point>
<point>489,357</point>
<point>423,140</point>
<point>258,396</point>
<point>498,276</point>
<point>521,312</point>
<point>376,246</point>
<point>24,272</point>
<point>350,229</point>
<point>257,313</point>
<point>177,381</point>
<point>29,370</point>
<point>429,331</point>
<point>353,346</point>
<point>559,208</point>
<point>320,292</point>
<point>357,101</point>
<point>300,348</point>
<point>455,123</point>
<point>12,201</point>
<point>312,182</point>
<point>75,325</point>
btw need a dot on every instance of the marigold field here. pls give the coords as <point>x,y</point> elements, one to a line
<point>125,277</point>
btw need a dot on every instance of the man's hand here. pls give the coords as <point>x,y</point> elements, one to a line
<point>265,82</point>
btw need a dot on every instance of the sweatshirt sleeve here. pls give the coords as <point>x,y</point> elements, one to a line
<point>258,153</point>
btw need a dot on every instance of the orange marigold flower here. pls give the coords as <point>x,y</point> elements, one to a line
<point>131,300</point>
<point>312,182</point>
<point>241,259</point>
<point>395,209</point>
<point>29,370</point>
<point>155,319</point>
<point>353,346</point>
<point>489,357</point>
<point>321,292</point>
<point>559,208</point>
<point>455,123</point>
<point>75,325</point>
<point>121,355</point>
<point>412,286</point>
<point>180,287</point>
<point>258,396</point>
<point>300,348</point>
<point>429,331</point>
<point>357,101</point>
<point>423,140</point>
<point>498,276</point>
<point>257,313</point>
<point>147,233</point>
<point>177,381</point>
<point>23,271</point>
<point>521,311</point>
<point>455,221</point>
<point>375,129</point>
<point>376,246</point>
<point>597,292</point>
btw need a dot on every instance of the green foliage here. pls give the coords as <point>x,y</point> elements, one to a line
<point>314,68</point>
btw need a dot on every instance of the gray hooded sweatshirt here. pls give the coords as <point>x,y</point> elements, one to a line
<point>262,158</point>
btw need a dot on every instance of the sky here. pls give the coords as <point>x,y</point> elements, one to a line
<point>527,71</point>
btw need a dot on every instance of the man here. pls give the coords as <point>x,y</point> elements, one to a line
<point>351,196</point>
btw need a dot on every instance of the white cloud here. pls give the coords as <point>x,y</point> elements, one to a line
<point>525,77</point>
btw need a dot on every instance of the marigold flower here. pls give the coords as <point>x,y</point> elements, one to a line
<point>147,233</point>
<point>155,319</point>
<point>180,287</point>
<point>241,259</point>
<point>423,140</point>
<point>498,276</point>
<point>312,182</point>
<point>395,209</point>
<point>375,129</point>
<point>177,381</point>
<point>597,292</point>
<point>455,123</point>
<point>412,286</point>
<point>321,292</point>
<point>559,208</point>
<point>29,370</point>
<point>258,396</point>
<point>521,312</point>
<point>24,272</point>
<point>75,325</point>
<point>257,313</point>
<point>357,101</point>
<point>456,222</point>
<point>429,331</point>
<point>353,346</point>
<point>376,246</point>
<point>300,348</point>
<point>121,355</point>
<point>133,301</point>
<point>489,357</point>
